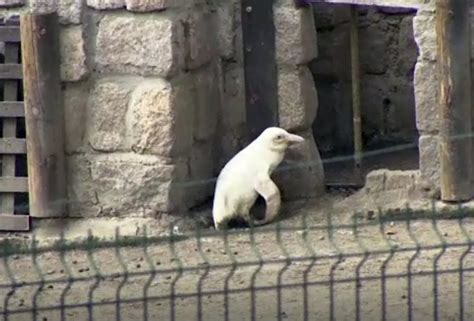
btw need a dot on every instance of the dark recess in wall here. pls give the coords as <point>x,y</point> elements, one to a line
<point>388,54</point>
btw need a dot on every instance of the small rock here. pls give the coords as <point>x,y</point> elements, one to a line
<point>446,234</point>
<point>51,272</point>
<point>392,224</point>
<point>158,263</point>
<point>16,257</point>
<point>22,303</point>
<point>208,250</point>
<point>168,277</point>
<point>321,238</point>
<point>74,262</point>
<point>138,265</point>
<point>50,286</point>
<point>391,232</point>
<point>236,253</point>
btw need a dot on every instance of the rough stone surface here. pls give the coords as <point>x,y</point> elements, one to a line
<point>375,181</point>
<point>147,5</point>
<point>70,11</point>
<point>106,4</point>
<point>82,198</point>
<point>124,185</point>
<point>426,96</point>
<point>297,98</point>
<point>75,106</point>
<point>157,5</point>
<point>107,107</point>
<point>207,103</point>
<point>201,47</point>
<point>160,118</point>
<point>233,109</point>
<point>375,60</point>
<point>73,55</point>
<point>397,179</point>
<point>295,35</point>
<point>140,44</point>
<point>301,175</point>
<point>201,185</point>
<point>43,6</point>
<point>226,30</point>
<point>230,143</point>
<point>423,27</point>
<point>429,162</point>
<point>11,3</point>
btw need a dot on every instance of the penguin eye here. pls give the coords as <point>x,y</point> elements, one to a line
<point>279,137</point>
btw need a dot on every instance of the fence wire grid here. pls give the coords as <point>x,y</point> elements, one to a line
<point>402,265</point>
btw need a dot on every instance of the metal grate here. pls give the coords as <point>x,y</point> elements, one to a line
<point>13,178</point>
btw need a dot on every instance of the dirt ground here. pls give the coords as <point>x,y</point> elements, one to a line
<point>384,267</point>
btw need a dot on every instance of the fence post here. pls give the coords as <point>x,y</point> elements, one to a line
<point>453,42</point>
<point>44,116</point>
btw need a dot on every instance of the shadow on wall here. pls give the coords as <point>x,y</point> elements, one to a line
<point>388,54</point>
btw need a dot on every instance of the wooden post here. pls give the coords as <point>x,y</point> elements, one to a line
<point>453,41</point>
<point>260,69</point>
<point>356,109</point>
<point>43,115</point>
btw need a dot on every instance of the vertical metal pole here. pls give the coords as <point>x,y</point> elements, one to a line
<point>356,110</point>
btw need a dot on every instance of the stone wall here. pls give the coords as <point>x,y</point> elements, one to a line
<point>154,100</point>
<point>388,54</point>
<point>301,175</point>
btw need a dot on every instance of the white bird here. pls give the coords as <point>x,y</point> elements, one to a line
<point>247,175</point>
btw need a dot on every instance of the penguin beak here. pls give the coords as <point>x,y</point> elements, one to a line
<point>294,139</point>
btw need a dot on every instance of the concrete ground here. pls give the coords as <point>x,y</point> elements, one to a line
<point>367,267</point>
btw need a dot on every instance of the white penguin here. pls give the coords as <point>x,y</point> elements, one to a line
<point>247,175</point>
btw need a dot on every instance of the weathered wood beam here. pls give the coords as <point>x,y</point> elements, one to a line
<point>453,59</point>
<point>43,114</point>
<point>259,65</point>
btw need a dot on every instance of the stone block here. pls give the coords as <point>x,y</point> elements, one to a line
<point>70,11</point>
<point>207,103</point>
<point>72,52</point>
<point>11,3</point>
<point>426,97</point>
<point>430,166</point>
<point>43,6</point>
<point>106,112</point>
<point>295,35</point>
<point>226,26</point>
<point>230,143</point>
<point>233,111</point>
<point>297,98</point>
<point>106,4</point>
<point>82,197</point>
<point>137,185</point>
<point>156,5</point>
<point>147,5</point>
<point>375,181</point>
<point>75,108</point>
<point>201,45</point>
<point>201,184</point>
<point>424,26</point>
<point>123,185</point>
<point>301,174</point>
<point>398,179</point>
<point>143,45</point>
<point>161,116</point>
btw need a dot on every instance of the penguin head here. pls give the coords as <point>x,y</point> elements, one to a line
<point>278,139</point>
